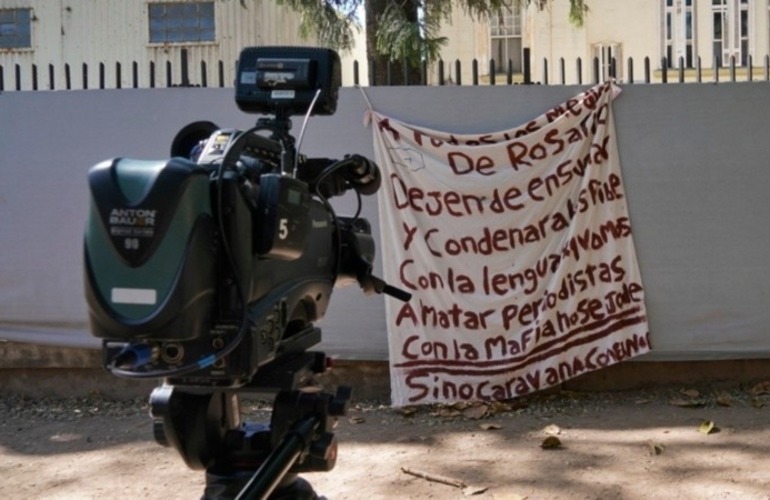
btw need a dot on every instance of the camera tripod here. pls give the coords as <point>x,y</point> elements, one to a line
<point>246,460</point>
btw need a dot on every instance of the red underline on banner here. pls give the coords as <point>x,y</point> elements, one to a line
<point>445,366</point>
<point>542,347</point>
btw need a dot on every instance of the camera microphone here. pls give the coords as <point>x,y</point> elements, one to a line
<point>363,174</point>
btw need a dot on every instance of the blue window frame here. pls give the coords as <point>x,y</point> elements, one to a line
<point>15,28</point>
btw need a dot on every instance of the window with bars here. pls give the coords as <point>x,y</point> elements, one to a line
<point>679,33</point>
<point>731,30</point>
<point>505,38</point>
<point>609,56</point>
<point>182,22</point>
<point>15,28</point>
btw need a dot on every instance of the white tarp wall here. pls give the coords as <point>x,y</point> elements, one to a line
<point>695,168</point>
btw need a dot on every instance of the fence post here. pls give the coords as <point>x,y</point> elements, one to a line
<point>118,76</point>
<point>169,75</point>
<point>767,67</point>
<point>135,74</point>
<point>597,74</point>
<point>699,70</point>
<point>221,74</point>
<point>475,72</point>
<point>509,73</point>
<point>458,72</point>
<point>750,75</point>
<point>732,68</point>
<point>664,70</point>
<point>441,72</point>
<point>579,69</point>
<point>18,76</point>
<point>152,74</point>
<point>2,78</point>
<point>51,83</point>
<point>67,77</point>
<point>563,70</point>
<point>646,70</point>
<point>492,72</point>
<point>372,72</point>
<point>185,68</point>
<point>527,68</point>
<point>545,71</point>
<point>204,74</point>
<point>356,81</point>
<point>424,72</point>
<point>630,70</point>
<point>85,76</point>
<point>101,75</point>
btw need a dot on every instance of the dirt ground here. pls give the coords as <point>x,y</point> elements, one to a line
<point>674,443</point>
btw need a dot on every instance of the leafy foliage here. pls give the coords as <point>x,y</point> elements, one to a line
<point>577,12</point>
<point>332,21</point>
<point>399,35</point>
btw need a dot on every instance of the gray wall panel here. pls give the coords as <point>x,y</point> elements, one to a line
<point>694,159</point>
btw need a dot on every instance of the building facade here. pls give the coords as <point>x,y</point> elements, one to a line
<point>56,44</point>
<point>687,33</point>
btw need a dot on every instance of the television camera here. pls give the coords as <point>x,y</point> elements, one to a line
<point>209,269</point>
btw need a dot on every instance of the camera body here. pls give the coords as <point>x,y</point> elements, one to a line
<point>204,267</point>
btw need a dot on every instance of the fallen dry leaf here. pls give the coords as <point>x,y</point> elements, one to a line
<point>496,407</point>
<point>761,388</point>
<point>474,490</point>
<point>687,403</point>
<point>460,405</point>
<point>475,412</point>
<point>445,412</point>
<point>551,443</point>
<point>655,448</point>
<point>552,430</point>
<point>690,393</point>
<point>707,427</point>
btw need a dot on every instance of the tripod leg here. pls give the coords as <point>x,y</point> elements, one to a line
<point>229,486</point>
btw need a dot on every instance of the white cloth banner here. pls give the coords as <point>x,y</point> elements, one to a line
<point>517,248</point>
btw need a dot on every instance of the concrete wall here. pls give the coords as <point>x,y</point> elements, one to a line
<point>694,159</point>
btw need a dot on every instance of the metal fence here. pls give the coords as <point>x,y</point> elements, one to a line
<point>77,77</point>
<point>183,73</point>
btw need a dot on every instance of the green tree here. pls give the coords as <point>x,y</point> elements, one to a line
<point>400,32</point>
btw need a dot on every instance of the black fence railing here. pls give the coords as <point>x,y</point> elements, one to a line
<point>205,74</point>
